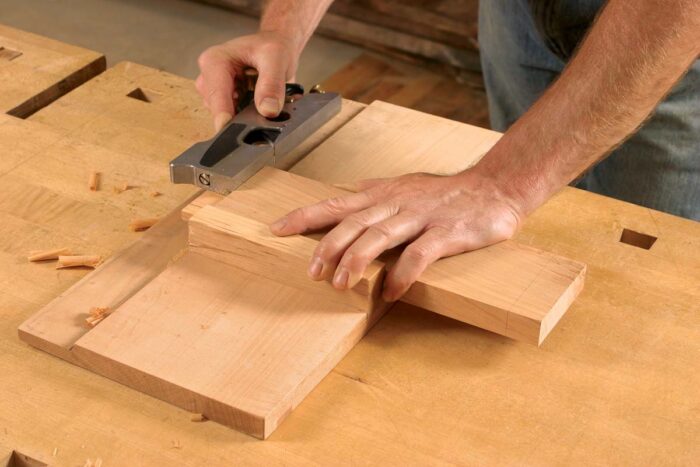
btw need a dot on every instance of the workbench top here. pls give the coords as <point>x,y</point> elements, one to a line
<point>615,383</point>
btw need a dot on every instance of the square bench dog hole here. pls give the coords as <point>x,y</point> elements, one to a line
<point>17,459</point>
<point>140,95</point>
<point>8,54</point>
<point>638,239</point>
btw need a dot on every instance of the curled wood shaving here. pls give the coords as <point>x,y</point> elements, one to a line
<point>155,194</point>
<point>94,181</point>
<point>137,225</point>
<point>43,255</point>
<point>198,417</point>
<point>96,315</point>
<point>90,261</point>
<point>121,188</point>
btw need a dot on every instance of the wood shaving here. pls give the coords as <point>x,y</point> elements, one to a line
<point>44,255</point>
<point>138,225</point>
<point>96,315</point>
<point>90,261</point>
<point>198,417</point>
<point>94,181</point>
<point>121,188</point>
<point>155,194</point>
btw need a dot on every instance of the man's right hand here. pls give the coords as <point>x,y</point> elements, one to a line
<point>273,55</point>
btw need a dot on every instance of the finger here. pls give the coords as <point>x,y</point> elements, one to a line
<point>322,214</point>
<point>221,119</point>
<point>270,87</point>
<point>331,248</point>
<point>218,76</point>
<point>373,242</point>
<point>434,244</point>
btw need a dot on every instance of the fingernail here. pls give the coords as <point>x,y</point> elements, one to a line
<point>315,268</point>
<point>221,119</point>
<point>340,280</point>
<point>278,225</point>
<point>269,107</point>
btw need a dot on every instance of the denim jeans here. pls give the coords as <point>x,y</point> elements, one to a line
<point>525,44</point>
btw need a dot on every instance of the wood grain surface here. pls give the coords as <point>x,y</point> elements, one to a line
<point>35,71</point>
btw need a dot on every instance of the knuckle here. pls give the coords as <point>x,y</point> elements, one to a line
<point>419,252</point>
<point>206,58</point>
<point>336,206</point>
<point>298,216</point>
<point>451,227</point>
<point>381,230</point>
<point>355,259</point>
<point>504,228</point>
<point>359,219</point>
<point>326,249</point>
<point>269,86</point>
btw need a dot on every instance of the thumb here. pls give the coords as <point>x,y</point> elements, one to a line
<point>270,87</point>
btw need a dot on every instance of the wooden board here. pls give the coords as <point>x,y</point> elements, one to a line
<point>615,384</point>
<point>36,70</point>
<point>246,397</point>
<point>509,289</point>
<point>388,140</point>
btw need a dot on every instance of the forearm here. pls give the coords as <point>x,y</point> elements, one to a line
<point>295,19</point>
<point>632,57</point>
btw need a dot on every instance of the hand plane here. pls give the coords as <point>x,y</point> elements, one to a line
<point>250,141</point>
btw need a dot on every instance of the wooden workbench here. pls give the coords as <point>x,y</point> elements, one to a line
<point>615,383</point>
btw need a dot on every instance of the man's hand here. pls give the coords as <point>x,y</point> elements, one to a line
<point>272,54</point>
<point>285,27</point>
<point>437,216</point>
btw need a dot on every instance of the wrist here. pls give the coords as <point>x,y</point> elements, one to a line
<point>518,185</point>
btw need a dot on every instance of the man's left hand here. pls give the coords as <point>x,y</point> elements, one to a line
<point>437,216</point>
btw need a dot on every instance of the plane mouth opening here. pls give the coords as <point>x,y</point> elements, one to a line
<point>261,137</point>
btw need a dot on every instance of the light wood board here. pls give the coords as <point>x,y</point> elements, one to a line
<point>36,70</point>
<point>615,384</point>
<point>506,288</point>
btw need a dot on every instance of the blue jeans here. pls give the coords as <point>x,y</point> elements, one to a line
<point>525,44</point>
